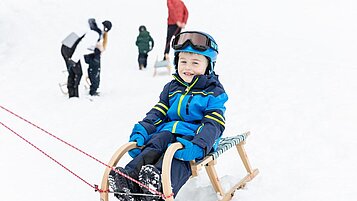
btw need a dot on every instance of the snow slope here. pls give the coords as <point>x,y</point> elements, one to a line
<point>288,67</point>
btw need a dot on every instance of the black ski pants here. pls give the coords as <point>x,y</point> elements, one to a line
<point>74,73</point>
<point>74,79</point>
<point>153,154</point>
<point>142,59</point>
<point>94,73</point>
<point>172,30</point>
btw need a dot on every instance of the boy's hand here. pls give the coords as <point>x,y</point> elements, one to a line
<point>134,152</point>
<point>138,138</point>
<point>139,135</point>
<point>189,152</point>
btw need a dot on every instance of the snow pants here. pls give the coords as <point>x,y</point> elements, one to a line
<point>153,154</point>
<point>172,30</point>
<point>142,59</point>
<point>74,78</point>
<point>93,72</point>
<point>74,73</point>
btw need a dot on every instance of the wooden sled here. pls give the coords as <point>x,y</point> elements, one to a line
<point>64,90</point>
<point>63,87</point>
<point>162,64</point>
<point>208,162</point>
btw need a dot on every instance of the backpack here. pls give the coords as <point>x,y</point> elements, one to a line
<point>69,44</point>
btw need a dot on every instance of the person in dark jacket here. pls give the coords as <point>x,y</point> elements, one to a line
<point>145,44</point>
<point>190,111</point>
<point>176,21</point>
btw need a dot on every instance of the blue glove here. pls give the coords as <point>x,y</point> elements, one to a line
<point>134,152</point>
<point>189,152</point>
<point>139,135</point>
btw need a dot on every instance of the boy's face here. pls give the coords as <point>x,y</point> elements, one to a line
<point>190,64</point>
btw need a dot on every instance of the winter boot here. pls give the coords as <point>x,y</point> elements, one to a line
<point>150,176</point>
<point>94,93</point>
<point>121,184</point>
<point>71,92</point>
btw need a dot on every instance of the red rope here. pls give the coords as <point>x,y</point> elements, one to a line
<point>81,151</point>
<point>47,155</point>
<point>57,138</point>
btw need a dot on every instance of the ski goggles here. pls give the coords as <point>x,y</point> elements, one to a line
<point>197,40</point>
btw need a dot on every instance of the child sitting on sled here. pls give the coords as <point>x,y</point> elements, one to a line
<point>190,111</point>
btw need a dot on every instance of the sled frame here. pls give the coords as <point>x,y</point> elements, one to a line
<point>63,86</point>
<point>208,162</point>
<point>168,67</point>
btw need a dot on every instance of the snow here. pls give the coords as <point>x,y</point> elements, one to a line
<point>288,67</point>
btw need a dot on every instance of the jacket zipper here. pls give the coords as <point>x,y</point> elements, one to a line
<point>183,96</point>
<point>188,104</point>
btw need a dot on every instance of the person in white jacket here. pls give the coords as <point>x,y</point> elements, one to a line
<point>88,50</point>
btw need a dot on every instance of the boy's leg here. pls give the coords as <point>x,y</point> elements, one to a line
<point>180,171</point>
<point>150,155</point>
<point>152,152</point>
<point>141,60</point>
<point>120,184</point>
<point>145,60</point>
<point>150,176</point>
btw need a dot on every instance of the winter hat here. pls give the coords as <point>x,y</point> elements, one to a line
<point>107,25</point>
<point>142,28</point>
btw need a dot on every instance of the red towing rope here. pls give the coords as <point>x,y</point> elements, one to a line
<point>95,187</point>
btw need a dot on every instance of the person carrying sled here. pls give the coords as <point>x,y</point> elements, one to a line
<point>88,47</point>
<point>145,44</point>
<point>190,110</point>
<point>176,21</point>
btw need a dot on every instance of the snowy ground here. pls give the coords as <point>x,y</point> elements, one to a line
<point>289,68</point>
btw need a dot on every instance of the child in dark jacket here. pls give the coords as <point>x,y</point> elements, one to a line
<point>145,44</point>
<point>190,111</point>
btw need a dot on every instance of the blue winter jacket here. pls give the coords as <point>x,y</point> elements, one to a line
<point>195,109</point>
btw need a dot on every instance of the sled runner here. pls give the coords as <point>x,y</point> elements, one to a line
<point>208,162</point>
<point>162,64</point>
<point>63,85</point>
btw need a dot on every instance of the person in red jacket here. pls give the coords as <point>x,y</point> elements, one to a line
<point>176,21</point>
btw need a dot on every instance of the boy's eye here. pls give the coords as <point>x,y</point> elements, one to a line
<point>183,61</point>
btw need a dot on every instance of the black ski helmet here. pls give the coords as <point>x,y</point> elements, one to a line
<point>107,25</point>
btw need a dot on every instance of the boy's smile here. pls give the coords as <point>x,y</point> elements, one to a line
<point>190,64</point>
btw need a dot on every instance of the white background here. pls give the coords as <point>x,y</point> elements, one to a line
<point>289,68</point>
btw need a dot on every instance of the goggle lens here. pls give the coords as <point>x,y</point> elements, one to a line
<point>197,40</point>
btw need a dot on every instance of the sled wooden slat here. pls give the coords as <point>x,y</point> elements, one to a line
<point>208,162</point>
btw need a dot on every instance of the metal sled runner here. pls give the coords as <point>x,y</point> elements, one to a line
<point>162,64</point>
<point>208,162</point>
